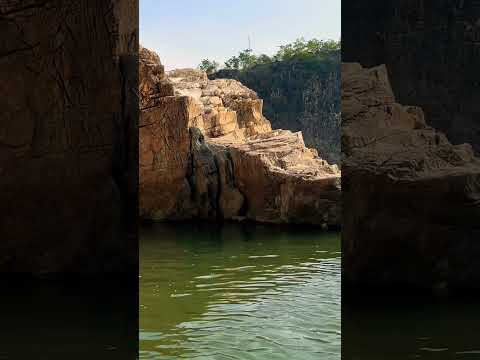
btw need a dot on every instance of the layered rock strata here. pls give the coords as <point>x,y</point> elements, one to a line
<point>413,198</point>
<point>207,152</point>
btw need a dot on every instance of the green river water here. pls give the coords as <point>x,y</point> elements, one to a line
<point>239,292</point>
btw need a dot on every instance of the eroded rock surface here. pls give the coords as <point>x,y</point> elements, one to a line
<point>208,152</point>
<point>413,198</point>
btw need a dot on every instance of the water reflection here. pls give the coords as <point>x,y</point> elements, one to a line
<point>239,292</point>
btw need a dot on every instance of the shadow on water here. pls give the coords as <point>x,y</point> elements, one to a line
<point>239,292</point>
<point>399,327</point>
<point>46,319</point>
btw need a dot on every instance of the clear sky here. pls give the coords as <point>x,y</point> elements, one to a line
<point>183,32</point>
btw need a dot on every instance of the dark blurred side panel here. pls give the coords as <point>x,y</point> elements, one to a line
<point>69,177</point>
<point>410,141</point>
<point>410,179</point>
<point>66,136</point>
<point>78,320</point>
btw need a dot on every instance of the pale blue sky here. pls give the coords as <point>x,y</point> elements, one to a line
<point>184,32</point>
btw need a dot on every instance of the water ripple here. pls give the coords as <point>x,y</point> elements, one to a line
<point>285,303</point>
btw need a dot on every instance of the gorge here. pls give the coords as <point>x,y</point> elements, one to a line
<point>236,262</point>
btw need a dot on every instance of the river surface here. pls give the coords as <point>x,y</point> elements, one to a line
<point>239,292</point>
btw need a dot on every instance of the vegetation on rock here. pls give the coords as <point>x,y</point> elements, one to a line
<point>209,66</point>
<point>300,49</point>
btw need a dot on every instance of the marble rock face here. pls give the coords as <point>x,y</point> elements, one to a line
<point>207,151</point>
<point>412,198</point>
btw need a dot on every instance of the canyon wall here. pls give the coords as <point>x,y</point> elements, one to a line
<point>207,152</point>
<point>413,198</point>
<point>68,136</point>
<point>431,50</point>
<point>300,95</point>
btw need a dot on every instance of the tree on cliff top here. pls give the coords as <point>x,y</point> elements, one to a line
<point>244,60</point>
<point>208,66</point>
<point>300,49</point>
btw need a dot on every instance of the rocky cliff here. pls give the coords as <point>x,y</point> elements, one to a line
<point>431,50</point>
<point>207,151</point>
<point>300,95</point>
<point>413,198</point>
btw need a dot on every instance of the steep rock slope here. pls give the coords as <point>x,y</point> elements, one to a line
<point>413,198</point>
<point>208,152</point>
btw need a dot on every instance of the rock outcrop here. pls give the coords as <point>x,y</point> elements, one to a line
<point>207,152</point>
<point>228,107</point>
<point>300,95</point>
<point>413,198</point>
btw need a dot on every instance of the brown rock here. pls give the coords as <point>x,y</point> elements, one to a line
<point>153,83</point>
<point>229,108</point>
<point>208,152</point>
<point>413,198</point>
<point>281,180</point>
<point>164,157</point>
